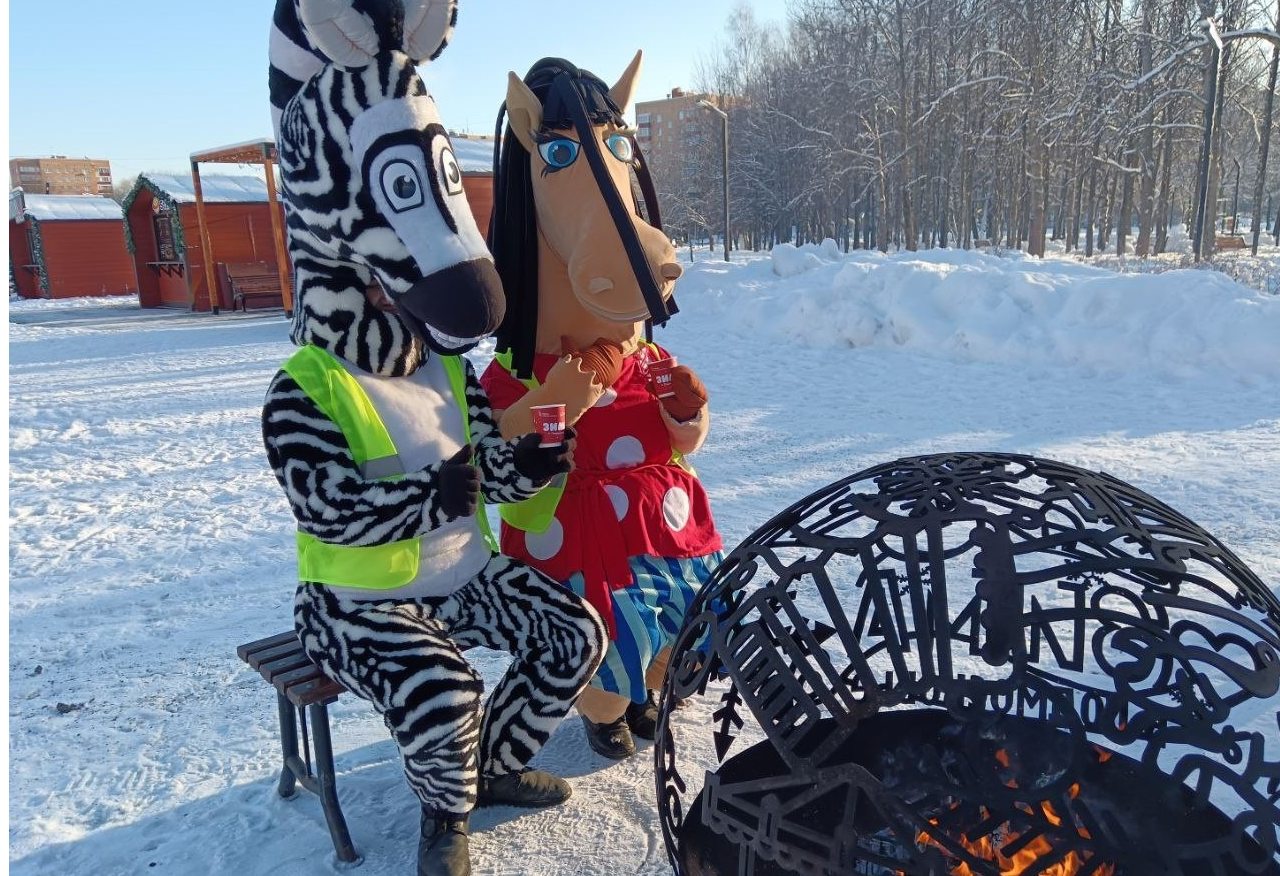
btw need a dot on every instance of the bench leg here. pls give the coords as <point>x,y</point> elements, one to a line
<point>289,745</point>
<point>327,781</point>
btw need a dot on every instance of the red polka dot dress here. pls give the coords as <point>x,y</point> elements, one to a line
<point>625,498</point>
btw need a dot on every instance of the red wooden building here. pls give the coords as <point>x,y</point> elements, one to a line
<point>475,157</point>
<point>68,246</point>
<point>164,234</point>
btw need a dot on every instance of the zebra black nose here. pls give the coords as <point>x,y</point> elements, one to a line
<point>453,309</point>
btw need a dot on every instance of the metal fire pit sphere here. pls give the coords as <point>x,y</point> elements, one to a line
<point>975,660</point>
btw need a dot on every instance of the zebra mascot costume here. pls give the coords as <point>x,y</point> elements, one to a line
<point>382,437</point>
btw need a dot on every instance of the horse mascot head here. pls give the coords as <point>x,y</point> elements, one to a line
<point>566,218</point>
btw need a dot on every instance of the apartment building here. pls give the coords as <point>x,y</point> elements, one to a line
<point>60,175</point>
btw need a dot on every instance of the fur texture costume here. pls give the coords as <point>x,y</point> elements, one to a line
<point>383,439</point>
<point>583,270</point>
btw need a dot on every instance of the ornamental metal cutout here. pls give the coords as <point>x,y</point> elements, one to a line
<point>977,664</point>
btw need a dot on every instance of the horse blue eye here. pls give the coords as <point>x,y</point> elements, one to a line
<point>559,153</point>
<point>620,146</point>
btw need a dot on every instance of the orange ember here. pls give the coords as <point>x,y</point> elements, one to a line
<point>991,847</point>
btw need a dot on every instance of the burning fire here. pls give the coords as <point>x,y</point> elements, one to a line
<point>992,846</point>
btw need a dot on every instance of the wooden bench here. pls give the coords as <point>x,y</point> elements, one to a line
<point>303,695</point>
<point>250,281</point>
<point>1229,241</point>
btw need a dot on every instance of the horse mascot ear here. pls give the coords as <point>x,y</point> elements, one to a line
<point>387,257</point>
<point>524,111</point>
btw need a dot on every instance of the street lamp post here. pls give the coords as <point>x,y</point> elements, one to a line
<point>1235,202</point>
<point>724,121</point>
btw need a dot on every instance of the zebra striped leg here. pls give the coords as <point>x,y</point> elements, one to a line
<point>399,656</point>
<point>557,640</point>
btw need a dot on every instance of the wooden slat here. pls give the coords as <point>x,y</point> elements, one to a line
<point>318,690</point>
<point>282,662</point>
<point>270,655</point>
<point>249,648</point>
<point>293,678</point>
<point>273,670</point>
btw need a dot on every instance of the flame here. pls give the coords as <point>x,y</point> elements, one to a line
<point>990,847</point>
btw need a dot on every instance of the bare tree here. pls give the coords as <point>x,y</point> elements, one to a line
<point>905,123</point>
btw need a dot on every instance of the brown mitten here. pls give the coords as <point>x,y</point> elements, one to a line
<point>690,394</point>
<point>603,358</point>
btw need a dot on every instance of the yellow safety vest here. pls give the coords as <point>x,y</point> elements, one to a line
<point>341,398</point>
<point>536,513</point>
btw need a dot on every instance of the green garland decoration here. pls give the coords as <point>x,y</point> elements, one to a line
<point>37,254</point>
<point>179,236</point>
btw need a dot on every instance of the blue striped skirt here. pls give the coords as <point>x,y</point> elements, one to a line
<point>648,615</point>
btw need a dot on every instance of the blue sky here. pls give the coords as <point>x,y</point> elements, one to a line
<point>147,82</point>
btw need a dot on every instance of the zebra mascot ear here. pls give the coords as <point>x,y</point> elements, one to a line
<point>346,35</point>
<point>427,28</point>
<point>349,36</point>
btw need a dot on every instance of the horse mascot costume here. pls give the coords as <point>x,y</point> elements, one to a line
<point>584,270</point>
<point>384,441</point>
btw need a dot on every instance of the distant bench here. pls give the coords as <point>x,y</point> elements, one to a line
<point>251,281</point>
<point>1229,241</point>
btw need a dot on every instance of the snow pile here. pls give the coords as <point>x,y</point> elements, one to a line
<point>790,260</point>
<point>215,188</point>
<point>1011,309</point>
<point>53,305</point>
<point>50,208</point>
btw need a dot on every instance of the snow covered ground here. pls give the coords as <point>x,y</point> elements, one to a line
<point>148,538</point>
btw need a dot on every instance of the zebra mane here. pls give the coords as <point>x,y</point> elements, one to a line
<point>307,35</point>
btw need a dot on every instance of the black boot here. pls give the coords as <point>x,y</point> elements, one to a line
<point>642,718</point>
<point>532,788</point>
<point>613,740</point>
<point>443,849</point>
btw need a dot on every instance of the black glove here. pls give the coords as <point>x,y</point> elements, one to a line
<point>459,484</point>
<point>541,464</point>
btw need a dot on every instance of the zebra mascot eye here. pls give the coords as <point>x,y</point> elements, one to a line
<point>401,186</point>
<point>450,172</point>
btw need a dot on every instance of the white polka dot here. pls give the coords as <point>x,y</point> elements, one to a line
<point>609,396</point>
<point>545,545</point>
<point>618,497</point>
<point>675,508</point>
<point>624,452</point>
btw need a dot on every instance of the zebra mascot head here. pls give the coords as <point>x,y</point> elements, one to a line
<point>373,190</point>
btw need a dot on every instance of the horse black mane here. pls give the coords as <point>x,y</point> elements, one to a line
<point>513,229</point>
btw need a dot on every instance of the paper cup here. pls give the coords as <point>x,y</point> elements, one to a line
<point>660,372</point>
<point>548,422</point>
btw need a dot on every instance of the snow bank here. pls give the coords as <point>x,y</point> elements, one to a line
<point>41,305</point>
<point>1010,309</point>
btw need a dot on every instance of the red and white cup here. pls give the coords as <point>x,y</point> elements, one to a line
<point>660,374</point>
<point>548,422</point>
